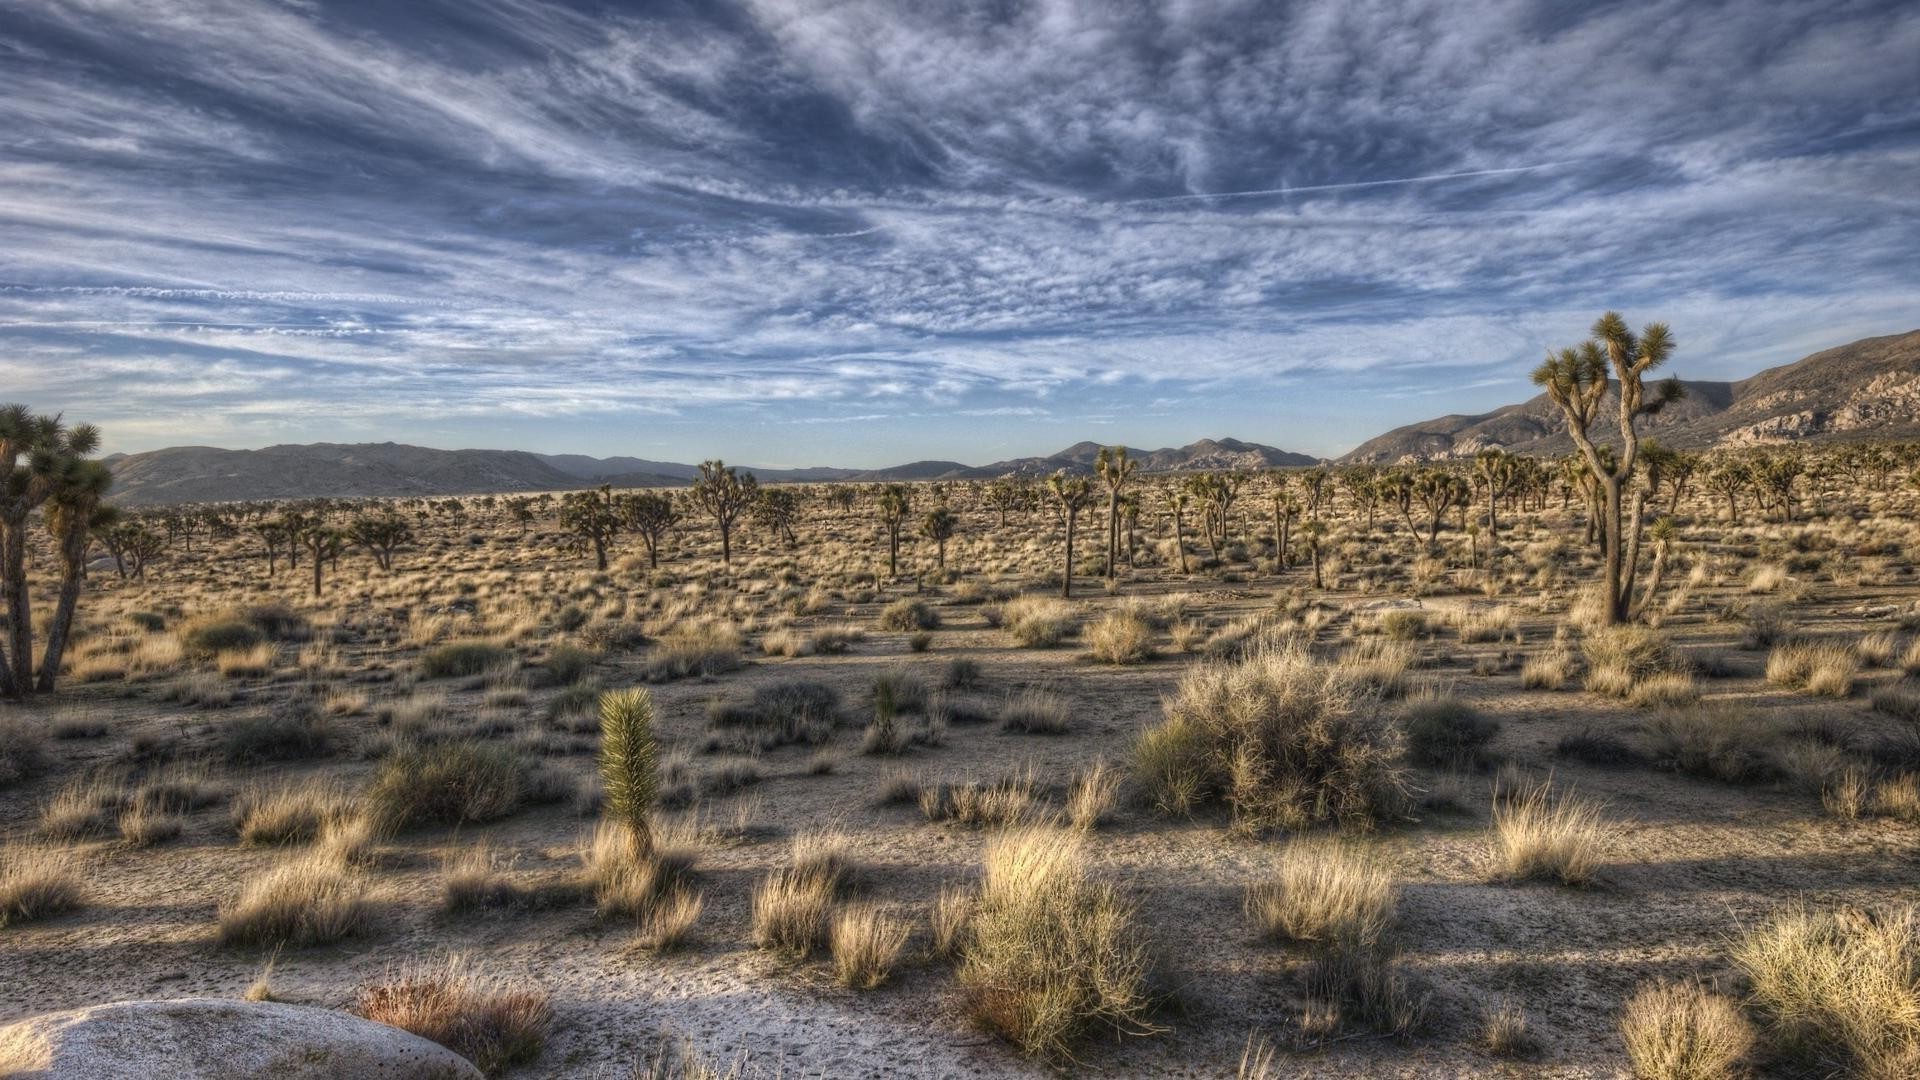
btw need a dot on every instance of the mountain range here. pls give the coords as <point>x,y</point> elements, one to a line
<point>1870,388</point>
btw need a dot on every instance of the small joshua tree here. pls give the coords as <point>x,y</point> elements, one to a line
<point>939,526</point>
<point>896,502</point>
<point>591,522</point>
<point>723,493</point>
<point>651,514</point>
<point>629,764</point>
<point>379,535</point>
<point>1115,469</point>
<point>324,543</point>
<point>1072,493</point>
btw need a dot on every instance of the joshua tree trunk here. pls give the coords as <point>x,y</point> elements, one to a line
<point>62,626</point>
<point>1179,540</point>
<point>13,577</point>
<point>1066,580</point>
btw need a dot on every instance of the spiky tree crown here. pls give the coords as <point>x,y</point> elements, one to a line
<point>629,760</point>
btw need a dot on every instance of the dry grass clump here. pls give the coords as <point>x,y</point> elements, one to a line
<point>1548,670</point>
<point>474,881</point>
<point>1037,621</point>
<point>948,919</point>
<point>82,808</point>
<point>1620,657</point>
<point>291,733</point>
<point>1091,798</point>
<point>308,900</point>
<point>287,815</point>
<point>1280,738</point>
<point>1011,800</point>
<point>464,659</point>
<point>699,647</point>
<point>1820,669</point>
<point>1327,892</point>
<point>1683,1031</point>
<point>790,910</point>
<point>23,751</point>
<point>252,663</point>
<point>142,825</point>
<point>38,883</point>
<point>908,613</point>
<point>789,711</point>
<point>1910,660</point>
<point>1537,837</point>
<point>1719,742</point>
<point>1376,664</point>
<point>1442,730</point>
<point>1051,956</point>
<point>449,783</point>
<point>1840,990</point>
<point>1037,712</point>
<point>1767,578</point>
<point>1667,690</point>
<point>1504,1030</point>
<point>866,944</point>
<point>1120,636</point>
<point>492,1022</point>
<point>1877,650</point>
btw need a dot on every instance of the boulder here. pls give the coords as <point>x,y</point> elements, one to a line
<point>217,1039</point>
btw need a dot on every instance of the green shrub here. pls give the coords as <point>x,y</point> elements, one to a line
<point>461,659</point>
<point>450,783</point>
<point>295,733</point>
<point>1442,730</point>
<point>908,613</point>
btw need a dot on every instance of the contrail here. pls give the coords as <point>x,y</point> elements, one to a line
<point>1341,187</point>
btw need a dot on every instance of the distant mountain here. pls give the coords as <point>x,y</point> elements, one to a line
<point>1870,388</point>
<point>367,470</point>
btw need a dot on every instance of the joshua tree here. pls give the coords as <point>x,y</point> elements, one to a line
<point>1115,469</point>
<point>723,493</point>
<point>1772,477</point>
<point>651,514</point>
<point>1361,482</point>
<point>1497,472</point>
<point>1437,490</point>
<point>1663,534</point>
<point>1006,495</point>
<point>1728,479</point>
<point>324,543</point>
<point>379,535</point>
<point>1318,491</point>
<point>1072,493</point>
<point>1177,502</point>
<point>133,543</point>
<point>896,502</point>
<point>1285,509</point>
<point>1216,493</point>
<point>49,449</point>
<point>590,519</point>
<point>939,525</point>
<point>776,509</point>
<point>1577,380</point>
<point>1313,532</point>
<point>73,512</point>
<point>1129,523</point>
<point>629,764</point>
<point>521,511</point>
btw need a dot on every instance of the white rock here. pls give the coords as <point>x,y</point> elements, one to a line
<point>217,1039</point>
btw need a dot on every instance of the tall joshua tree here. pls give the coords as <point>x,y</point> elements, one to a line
<point>324,543</point>
<point>590,518</point>
<point>723,493</point>
<point>1177,502</point>
<point>1115,469</point>
<point>629,764</point>
<point>1497,472</point>
<point>380,535</point>
<point>1577,380</point>
<point>1073,493</point>
<point>48,448</point>
<point>939,526</point>
<point>651,514</point>
<point>73,512</point>
<point>896,502</point>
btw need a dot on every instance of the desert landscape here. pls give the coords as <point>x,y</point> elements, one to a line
<point>1332,770</point>
<point>844,539</point>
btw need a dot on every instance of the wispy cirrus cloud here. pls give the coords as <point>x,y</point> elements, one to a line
<point>597,229</point>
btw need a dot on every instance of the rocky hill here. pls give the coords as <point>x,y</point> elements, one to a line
<point>1870,388</point>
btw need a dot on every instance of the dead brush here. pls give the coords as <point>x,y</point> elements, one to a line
<point>493,1022</point>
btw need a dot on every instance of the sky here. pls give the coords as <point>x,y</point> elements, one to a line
<point>863,232</point>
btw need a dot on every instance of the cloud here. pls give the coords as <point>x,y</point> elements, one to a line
<point>274,218</point>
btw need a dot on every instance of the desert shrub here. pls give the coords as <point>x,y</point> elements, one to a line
<point>704,647</point>
<point>866,945</point>
<point>1668,690</point>
<point>463,659</point>
<point>1839,989</point>
<point>1548,670</point>
<point>1620,657</point>
<point>901,689</point>
<point>1402,625</point>
<point>1719,743</point>
<point>23,751</point>
<point>38,884</point>
<point>1765,625</point>
<point>908,613</point>
<point>491,1022</point>
<point>1120,636</point>
<point>1038,621</point>
<point>1376,664</point>
<point>567,664</point>
<point>1820,669</point>
<point>1282,739</point>
<point>1327,892</point>
<point>1052,956</point>
<point>308,900</point>
<point>1537,837</point>
<point>1036,712</point>
<point>1442,730</point>
<point>1898,702</point>
<point>457,782</point>
<point>788,711</point>
<point>1592,747</point>
<point>214,634</point>
<point>1682,1031</point>
<point>294,732</point>
<point>920,641</point>
<point>961,674</point>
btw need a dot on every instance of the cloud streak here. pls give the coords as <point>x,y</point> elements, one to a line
<point>510,221</point>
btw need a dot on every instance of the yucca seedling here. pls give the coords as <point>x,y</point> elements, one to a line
<point>629,760</point>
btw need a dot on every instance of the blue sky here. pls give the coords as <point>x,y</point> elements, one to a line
<point>864,232</point>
